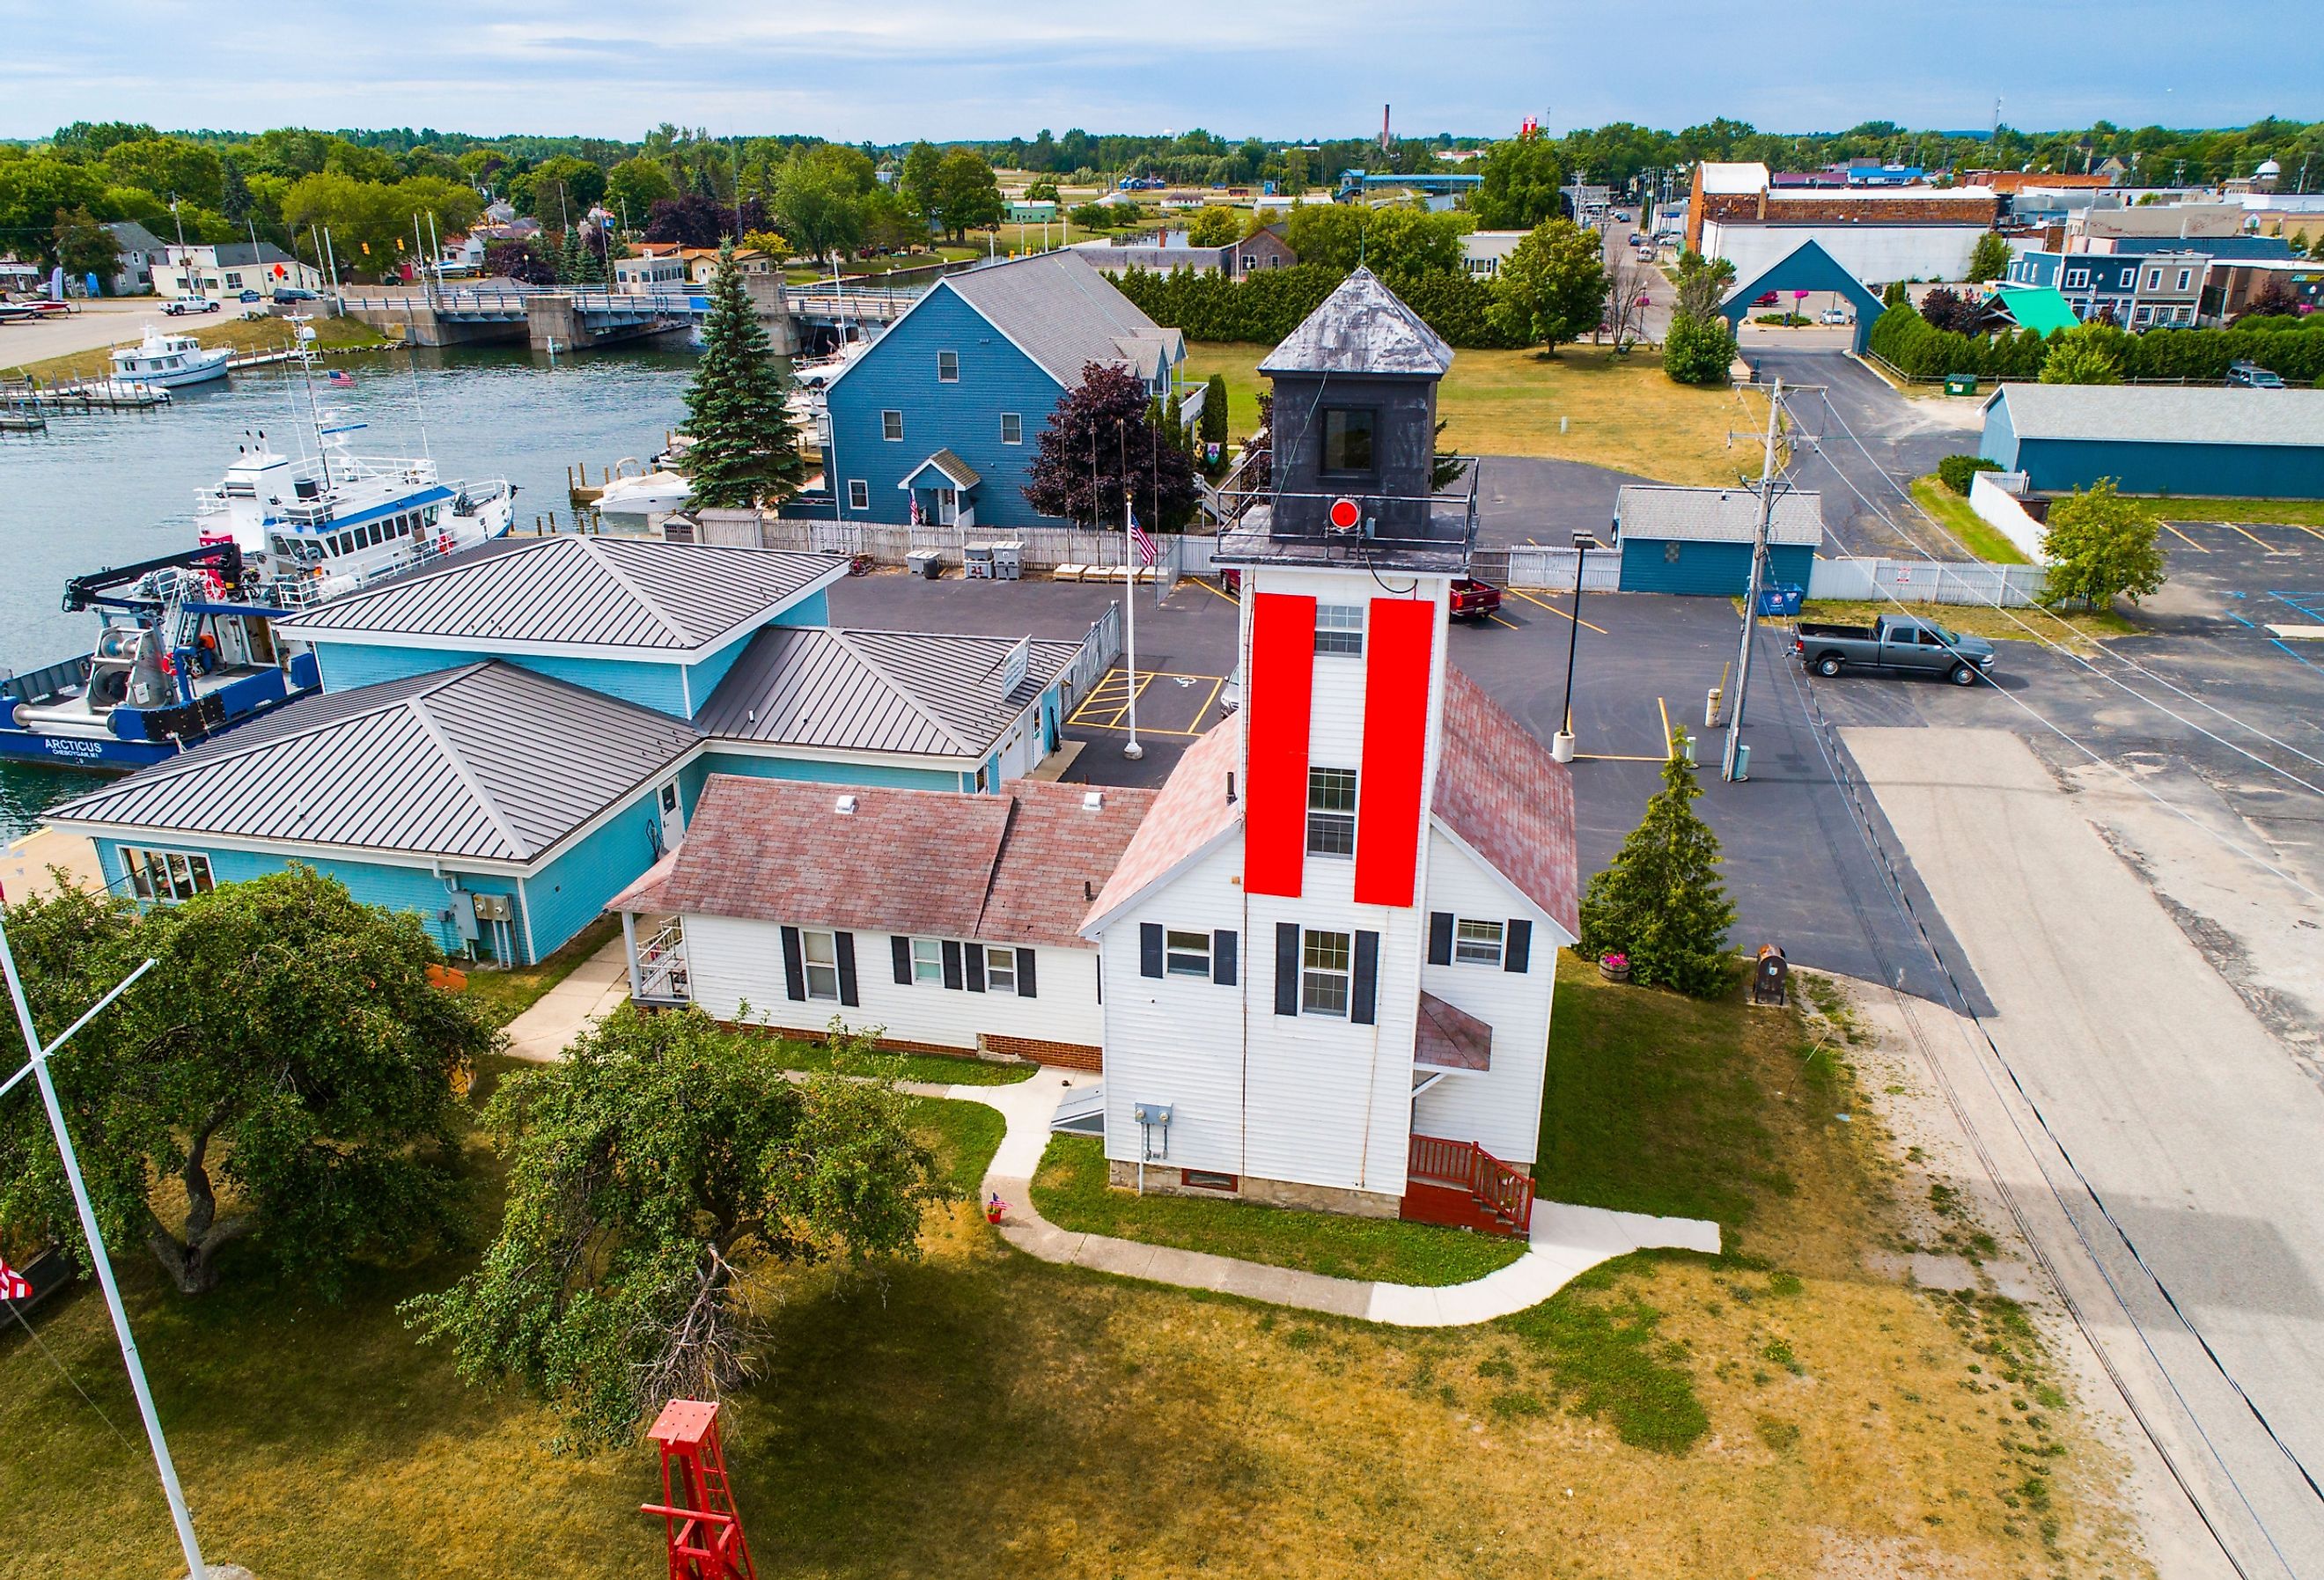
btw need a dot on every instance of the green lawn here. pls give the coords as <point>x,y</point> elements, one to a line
<point>1952,512</point>
<point>1071,1192</point>
<point>2258,512</point>
<point>933,1068</point>
<point>506,994</point>
<point>1584,404</point>
<point>964,1135</point>
<point>2076,628</point>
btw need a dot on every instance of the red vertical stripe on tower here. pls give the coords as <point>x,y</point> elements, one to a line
<point>1280,696</point>
<point>1397,648</point>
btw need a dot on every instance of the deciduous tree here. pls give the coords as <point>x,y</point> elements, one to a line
<point>742,444</point>
<point>1099,427</point>
<point>967,195</point>
<point>1660,901</point>
<point>652,1173</point>
<point>920,181</point>
<point>1519,184</point>
<point>634,186</point>
<point>1552,287</point>
<point>1990,258</point>
<point>2079,357</point>
<point>1214,225</point>
<point>819,205</point>
<point>2100,546</point>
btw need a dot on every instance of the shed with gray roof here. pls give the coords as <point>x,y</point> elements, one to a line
<point>1698,540</point>
<point>2235,443</point>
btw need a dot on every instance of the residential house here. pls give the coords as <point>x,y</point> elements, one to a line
<point>132,265</point>
<point>1482,252</point>
<point>949,922</point>
<point>228,268</point>
<point>945,408</point>
<point>1329,951</point>
<point>655,266</point>
<point>1164,251</point>
<point>702,262</point>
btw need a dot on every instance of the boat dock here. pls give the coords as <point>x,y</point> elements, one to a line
<point>29,396</point>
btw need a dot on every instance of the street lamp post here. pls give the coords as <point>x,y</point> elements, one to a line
<point>1561,747</point>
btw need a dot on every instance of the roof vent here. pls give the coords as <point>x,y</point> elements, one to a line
<point>1093,801</point>
<point>844,806</point>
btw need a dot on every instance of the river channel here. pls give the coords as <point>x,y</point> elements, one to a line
<point>108,488</point>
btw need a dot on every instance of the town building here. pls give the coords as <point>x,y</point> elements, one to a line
<point>1482,252</point>
<point>1164,251</point>
<point>2189,441</point>
<point>227,269</point>
<point>945,409</point>
<point>2233,282</point>
<point>656,266</point>
<point>133,264</point>
<point>1698,540</point>
<point>2137,290</point>
<point>702,262</point>
<point>1877,233</point>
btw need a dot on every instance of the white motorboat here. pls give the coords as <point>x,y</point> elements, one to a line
<point>648,494</point>
<point>167,360</point>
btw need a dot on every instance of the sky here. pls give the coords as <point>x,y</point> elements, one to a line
<point>895,70</point>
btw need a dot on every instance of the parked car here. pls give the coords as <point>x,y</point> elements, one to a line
<point>1835,314</point>
<point>1475,600</point>
<point>179,305</point>
<point>1765,299</point>
<point>290,293</point>
<point>1637,238</point>
<point>2251,376</point>
<point>1894,644</point>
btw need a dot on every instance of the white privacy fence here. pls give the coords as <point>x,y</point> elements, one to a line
<point>1922,581</point>
<point>1544,568</point>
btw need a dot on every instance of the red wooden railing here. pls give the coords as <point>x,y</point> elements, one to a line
<point>1503,1191</point>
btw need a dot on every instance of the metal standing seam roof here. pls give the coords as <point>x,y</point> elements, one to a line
<point>2166,414</point>
<point>1061,312</point>
<point>903,691</point>
<point>486,762</point>
<point>1716,515</point>
<point>1362,328</point>
<point>576,590</point>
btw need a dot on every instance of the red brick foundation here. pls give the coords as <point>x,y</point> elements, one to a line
<point>1072,1056</point>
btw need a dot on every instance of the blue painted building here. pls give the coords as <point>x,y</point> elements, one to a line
<point>947,407</point>
<point>2191,441</point>
<point>1806,267</point>
<point>1698,540</point>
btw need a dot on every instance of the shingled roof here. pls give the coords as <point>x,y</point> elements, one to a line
<point>1503,795</point>
<point>486,761</point>
<point>1362,328</point>
<point>1191,810</point>
<point>1010,868</point>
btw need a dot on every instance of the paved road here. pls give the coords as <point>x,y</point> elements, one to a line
<point>104,322</point>
<point>2183,1114</point>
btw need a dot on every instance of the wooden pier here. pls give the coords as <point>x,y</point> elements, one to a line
<point>28,395</point>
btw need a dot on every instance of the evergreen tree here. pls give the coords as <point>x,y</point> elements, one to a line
<point>235,203</point>
<point>1661,901</point>
<point>568,260</point>
<point>742,445</point>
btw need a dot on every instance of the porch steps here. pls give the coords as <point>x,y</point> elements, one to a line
<point>1460,1183</point>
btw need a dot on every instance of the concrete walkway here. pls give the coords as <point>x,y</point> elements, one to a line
<point>1565,1240</point>
<point>591,992</point>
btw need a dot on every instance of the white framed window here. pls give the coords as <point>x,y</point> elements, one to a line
<point>947,367</point>
<point>2154,279</point>
<point>2145,315</point>
<point>858,494</point>
<point>927,961</point>
<point>1339,628</point>
<point>1187,954</point>
<point>891,427</point>
<point>1012,427</point>
<point>999,967</point>
<point>1331,811</point>
<point>2075,279</point>
<point>820,951</point>
<point>1326,964</point>
<point>166,876</point>
<point>2185,275</point>
<point>1477,943</point>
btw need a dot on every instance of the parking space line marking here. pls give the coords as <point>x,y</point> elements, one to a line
<point>1214,592</point>
<point>2255,536</point>
<point>1613,757</point>
<point>2303,527</point>
<point>1497,620</point>
<point>1553,609</point>
<point>1665,709</point>
<point>2183,538</point>
<point>1217,686</point>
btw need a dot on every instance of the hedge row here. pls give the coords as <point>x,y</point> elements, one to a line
<point>1266,307</point>
<point>1921,350</point>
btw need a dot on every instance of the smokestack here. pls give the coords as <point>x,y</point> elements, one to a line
<point>1385,142</point>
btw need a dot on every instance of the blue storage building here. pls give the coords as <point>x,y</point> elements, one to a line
<point>2189,441</point>
<point>946,408</point>
<point>1698,540</point>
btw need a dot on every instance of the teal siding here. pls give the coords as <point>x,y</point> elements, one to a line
<point>398,888</point>
<point>1721,570</point>
<point>702,678</point>
<point>815,609</point>
<point>568,894</point>
<point>1999,444</point>
<point>2255,471</point>
<point>868,774</point>
<point>656,683</point>
<point>346,665</point>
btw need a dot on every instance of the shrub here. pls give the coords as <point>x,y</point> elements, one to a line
<point>1268,305</point>
<point>1956,471</point>
<point>2101,545</point>
<point>1699,351</point>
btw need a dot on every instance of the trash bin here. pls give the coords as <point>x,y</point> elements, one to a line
<point>926,562</point>
<point>1008,561</point>
<point>977,562</point>
<point>1960,383</point>
<point>1782,600</point>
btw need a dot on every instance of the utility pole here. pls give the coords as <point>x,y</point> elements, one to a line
<point>1727,761</point>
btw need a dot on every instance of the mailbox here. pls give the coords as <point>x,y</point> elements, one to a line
<point>1770,975</point>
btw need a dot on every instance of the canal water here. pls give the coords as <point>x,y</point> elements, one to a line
<point>108,488</point>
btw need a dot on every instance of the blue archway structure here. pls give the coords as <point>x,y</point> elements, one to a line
<point>1806,267</point>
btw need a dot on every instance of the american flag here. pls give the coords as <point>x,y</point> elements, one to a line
<point>1137,536</point>
<point>343,380</point>
<point>13,1285</point>
<point>916,510</point>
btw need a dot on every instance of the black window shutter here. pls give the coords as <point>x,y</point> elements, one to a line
<point>1150,948</point>
<point>1024,975</point>
<point>975,952</point>
<point>1440,937</point>
<point>952,964</point>
<point>794,969</point>
<point>1287,967</point>
<point>1365,988</point>
<point>846,949</point>
<point>1517,947</point>
<point>902,948</point>
<point>1223,958</point>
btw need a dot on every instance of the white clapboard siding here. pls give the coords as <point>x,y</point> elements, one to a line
<point>732,962</point>
<point>1500,1109</point>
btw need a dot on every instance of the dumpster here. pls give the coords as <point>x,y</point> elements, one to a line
<point>1960,383</point>
<point>1008,561</point>
<point>1782,600</point>
<point>926,562</point>
<point>977,562</point>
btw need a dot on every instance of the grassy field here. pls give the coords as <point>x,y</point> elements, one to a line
<point>2077,628</point>
<point>2253,513</point>
<point>935,1068</point>
<point>244,336</point>
<point>1778,1411</point>
<point>1071,1192</point>
<point>1619,412</point>
<point>1952,512</point>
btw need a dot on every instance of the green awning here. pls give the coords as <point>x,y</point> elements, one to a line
<point>2038,308</point>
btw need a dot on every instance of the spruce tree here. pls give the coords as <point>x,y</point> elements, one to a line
<point>1661,901</point>
<point>742,445</point>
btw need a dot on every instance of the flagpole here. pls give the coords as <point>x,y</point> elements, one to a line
<point>1130,589</point>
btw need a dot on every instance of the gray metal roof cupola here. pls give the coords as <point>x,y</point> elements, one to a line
<point>1355,418</point>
